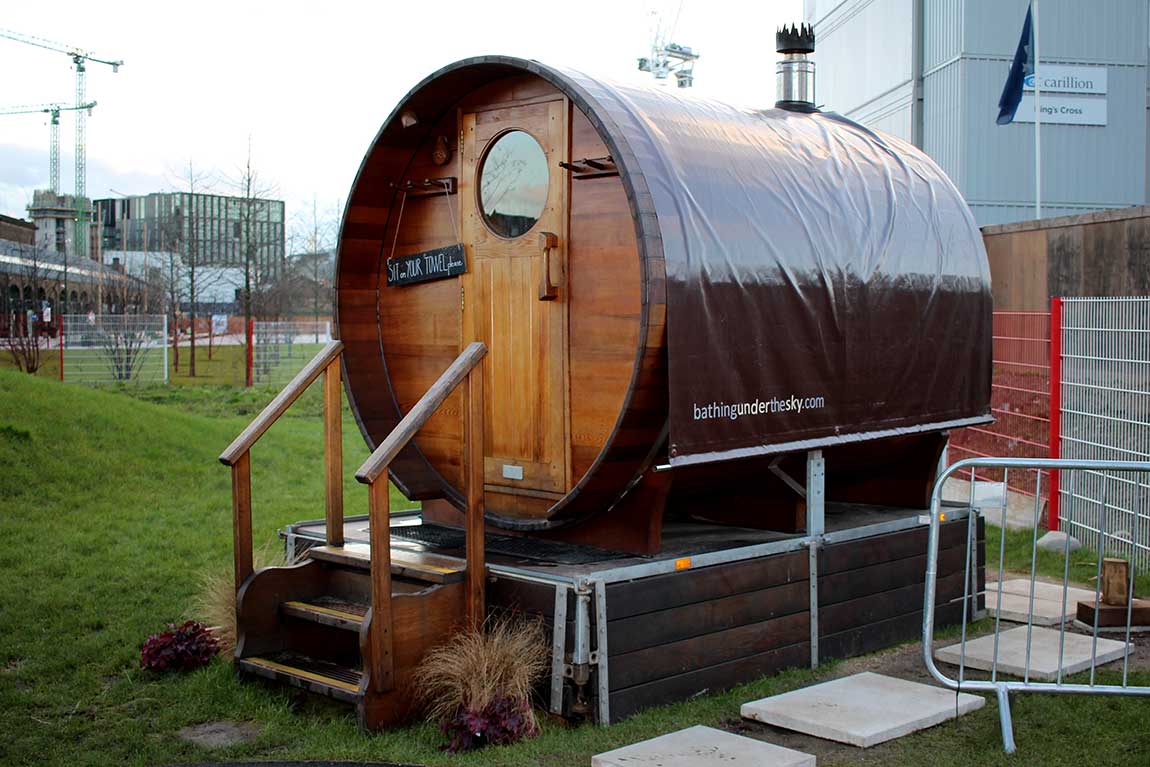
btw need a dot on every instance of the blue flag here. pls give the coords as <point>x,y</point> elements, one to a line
<point>1020,69</point>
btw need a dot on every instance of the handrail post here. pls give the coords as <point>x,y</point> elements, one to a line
<point>379,536</point>
<point>473,443</point>
<point>242,518</point>
<point>333,452</point>
<point>237,455</point>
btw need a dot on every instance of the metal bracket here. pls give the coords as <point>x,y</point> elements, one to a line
<point>427,187</point>
<point>559,665</point>
<point>599,657</point>
<point>578,670</point>
<point>790,481</point>
<point>816,528</point>
<point>583,658</point>
<point>591,167</point>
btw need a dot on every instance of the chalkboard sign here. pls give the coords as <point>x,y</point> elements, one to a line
<point>437,264</point>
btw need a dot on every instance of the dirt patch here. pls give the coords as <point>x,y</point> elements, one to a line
<point>220,734</point>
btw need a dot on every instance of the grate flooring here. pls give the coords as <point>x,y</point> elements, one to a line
<point>441,537</point>
<point>321,667</point>
<point>334,603</point>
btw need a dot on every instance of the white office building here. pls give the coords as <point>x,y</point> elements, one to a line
<point>932,71</point>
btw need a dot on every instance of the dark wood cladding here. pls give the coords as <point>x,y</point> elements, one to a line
<point>672,636</point>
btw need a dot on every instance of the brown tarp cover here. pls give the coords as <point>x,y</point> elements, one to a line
<point>825,283</point>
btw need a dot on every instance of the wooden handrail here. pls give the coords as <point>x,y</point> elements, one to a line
<point>411,423</point>
<point>289,394</point>
<point>378,656</point>
<point>238,455</point>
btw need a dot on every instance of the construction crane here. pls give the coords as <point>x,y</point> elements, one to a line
<point>669,58</point>
<point>53,110</point>
<point>80,59</point>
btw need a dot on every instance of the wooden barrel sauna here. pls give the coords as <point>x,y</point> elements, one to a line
<point>508,202</point>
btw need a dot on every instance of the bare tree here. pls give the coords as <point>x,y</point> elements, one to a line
<point>185,229</point>
<point>258,293</point>
<point>173,267</point>
<point>24,340</point>
<point>130,290</point>
<point>312,268</point>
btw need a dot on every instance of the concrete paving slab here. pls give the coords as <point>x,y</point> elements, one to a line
<point>1110,629</point>
<point>1043,653</point>
<point>1047,601</point>
<point>702,746</point>
<point>988,499</point>
<point>1016,607</point>
<point>863,710</point>
<point>1042,590</point>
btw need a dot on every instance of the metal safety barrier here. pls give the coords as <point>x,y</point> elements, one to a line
<point>281,349</point>
<point>113,348</point>
<point>1123,474</point>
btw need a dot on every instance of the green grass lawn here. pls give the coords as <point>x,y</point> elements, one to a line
<point>112,506</point>
<point>1016,550</point>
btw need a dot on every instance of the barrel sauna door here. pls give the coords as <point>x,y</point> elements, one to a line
<point>514,211</point>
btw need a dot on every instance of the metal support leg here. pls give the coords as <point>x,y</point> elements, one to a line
<point>558,649</point>
<point>579,669</point>
<point>1004,718</point>
<point>816,527</point>
<point>813,572</point>
<point>599,657</point>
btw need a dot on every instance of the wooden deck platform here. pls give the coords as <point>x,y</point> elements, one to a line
<point>719,606</point>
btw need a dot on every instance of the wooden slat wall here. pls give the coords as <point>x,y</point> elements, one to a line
<point>1018,271</point>
<point>719,626</point>
<point>672,636</point>
<point>418,352</point>
<point>421,324</point>
<point>1096,254</point>
<point>605,286</point>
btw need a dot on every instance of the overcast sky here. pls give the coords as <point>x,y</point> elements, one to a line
<point>311,87</point>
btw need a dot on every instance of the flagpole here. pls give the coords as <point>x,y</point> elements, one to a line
<point>1037,120</point>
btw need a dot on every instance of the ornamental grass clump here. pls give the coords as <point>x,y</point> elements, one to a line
<point>215,601</point>
<point>478,685</point>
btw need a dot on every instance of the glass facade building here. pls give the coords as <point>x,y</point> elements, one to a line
<point>219,230</point>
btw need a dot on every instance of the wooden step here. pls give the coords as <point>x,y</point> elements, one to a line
<point>329,611</point>
<point>330,679</point>
<point>432,568</point>
<point>342,611</point>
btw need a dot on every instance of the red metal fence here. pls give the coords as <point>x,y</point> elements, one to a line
<point>1020,399</point>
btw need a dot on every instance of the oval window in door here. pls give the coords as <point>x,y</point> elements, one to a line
<point>513,181</point>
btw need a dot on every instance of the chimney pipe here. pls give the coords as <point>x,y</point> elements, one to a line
<point>796,73</point>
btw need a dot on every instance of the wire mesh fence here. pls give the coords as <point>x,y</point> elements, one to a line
<point>1020,399</point>
<point>114,348</point>
<point>1105,415</point>
<point>281,349</point>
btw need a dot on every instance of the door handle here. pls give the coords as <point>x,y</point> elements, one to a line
<point>548,291</point>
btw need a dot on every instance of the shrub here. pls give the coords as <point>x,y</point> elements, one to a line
<point>478,685</point>
<point>180,648</point>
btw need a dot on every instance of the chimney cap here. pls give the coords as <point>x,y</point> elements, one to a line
<point>800,39</point>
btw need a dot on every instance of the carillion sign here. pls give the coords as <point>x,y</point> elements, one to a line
<point>1061,78</point>
<point>1071,95</point>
